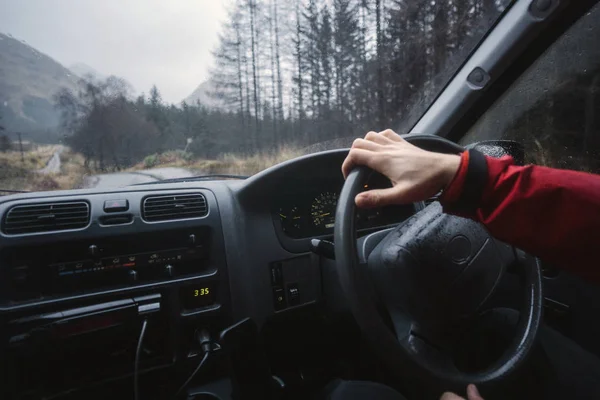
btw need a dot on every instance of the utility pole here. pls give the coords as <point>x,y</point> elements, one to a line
<point>21,147</point>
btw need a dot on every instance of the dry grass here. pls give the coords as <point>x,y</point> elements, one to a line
<point>72,170</point>
<point>226,164</point>
<point>32,160</point>
<point>17,175</point>
<point>20,174</point>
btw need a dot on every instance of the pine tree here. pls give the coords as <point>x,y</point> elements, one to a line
<point>255,83</point>
<point>325,51</point>
<point>345,38</point>
<point>278,61</point>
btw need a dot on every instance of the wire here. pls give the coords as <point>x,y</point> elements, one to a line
<point>198,368</point>
<point>136,366</point>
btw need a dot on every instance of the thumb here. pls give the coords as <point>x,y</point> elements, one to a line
<point>473,393</point>
<point>377,197</point>
<point>450,396</point>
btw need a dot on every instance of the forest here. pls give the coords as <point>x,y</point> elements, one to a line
<point>288,73</point>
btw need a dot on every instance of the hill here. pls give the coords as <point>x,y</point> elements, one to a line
<point>84,71</point>
<point>28,81</point>
<point>203,95</point>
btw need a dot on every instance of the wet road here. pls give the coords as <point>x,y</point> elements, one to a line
<point>53,166</point>
<point>120,179</point>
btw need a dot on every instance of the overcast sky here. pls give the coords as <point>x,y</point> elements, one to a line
<point>162,42</point>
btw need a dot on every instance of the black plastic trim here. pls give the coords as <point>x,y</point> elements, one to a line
<point>475,181</point>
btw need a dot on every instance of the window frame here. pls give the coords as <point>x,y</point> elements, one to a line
<point>510,48</point>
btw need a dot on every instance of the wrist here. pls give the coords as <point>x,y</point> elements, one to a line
<point>448,165</point>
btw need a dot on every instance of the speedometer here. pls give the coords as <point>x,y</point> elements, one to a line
<point>322,210</point>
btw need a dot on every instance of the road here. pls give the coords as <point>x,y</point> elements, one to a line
<point>53,165</point>
<point>120,179</point>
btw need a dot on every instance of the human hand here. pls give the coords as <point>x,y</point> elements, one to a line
<point>472,394</point>
<point>416,174</point>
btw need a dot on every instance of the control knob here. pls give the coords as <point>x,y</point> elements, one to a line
<point>93,250</point>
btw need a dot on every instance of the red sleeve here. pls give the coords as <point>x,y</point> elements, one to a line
<point>551,213</point>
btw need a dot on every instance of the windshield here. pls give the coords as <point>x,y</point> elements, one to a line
<point>111,93</point>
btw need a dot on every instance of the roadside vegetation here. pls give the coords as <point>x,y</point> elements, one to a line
<point>227,163</point>
<point>18,175</point>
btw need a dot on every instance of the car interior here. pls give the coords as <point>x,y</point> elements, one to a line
<point>277,287</point>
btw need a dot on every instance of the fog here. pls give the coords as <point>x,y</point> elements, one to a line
<point>167,43</point>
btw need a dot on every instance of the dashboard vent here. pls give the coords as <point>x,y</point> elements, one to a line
<point>178,206</point>
<point>45,217</point>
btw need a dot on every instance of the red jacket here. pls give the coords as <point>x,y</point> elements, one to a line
<point>551,213</point>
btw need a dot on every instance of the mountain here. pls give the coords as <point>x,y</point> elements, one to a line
<point>83,71</point>
<point>202,94</point>
<point>28,81</point>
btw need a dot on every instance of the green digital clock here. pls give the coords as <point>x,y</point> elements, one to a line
<point>197,296</point>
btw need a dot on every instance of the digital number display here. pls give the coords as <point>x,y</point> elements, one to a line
<point>205,291</point>
<point>194,296</point>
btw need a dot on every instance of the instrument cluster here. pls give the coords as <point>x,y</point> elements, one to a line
<point>307,209</point>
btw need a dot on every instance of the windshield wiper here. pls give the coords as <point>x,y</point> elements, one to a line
<point>13,191</point>
<point>195,178</point>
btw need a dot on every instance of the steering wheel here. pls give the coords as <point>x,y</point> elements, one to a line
<point>431,274</point>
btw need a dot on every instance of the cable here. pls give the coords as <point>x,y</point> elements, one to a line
<point>198,368</point>
<point>136,365</point>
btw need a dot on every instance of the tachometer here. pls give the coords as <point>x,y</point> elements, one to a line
<point>322,210</point>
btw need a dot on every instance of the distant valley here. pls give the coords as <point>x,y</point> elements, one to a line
<point>29,80</point>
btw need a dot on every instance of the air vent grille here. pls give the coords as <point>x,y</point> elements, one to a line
<point>45,217</point>
<point>171,207</point>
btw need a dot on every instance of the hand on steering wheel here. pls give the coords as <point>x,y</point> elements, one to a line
<point>416,174</point>
<point>431,273</point>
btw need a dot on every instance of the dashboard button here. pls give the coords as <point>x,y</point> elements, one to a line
<point>116,205</point>
<point>276,277</point>
<point>93,250</point>
<point>279,299</point>
<point>293,294</point>
<point>111,262</point>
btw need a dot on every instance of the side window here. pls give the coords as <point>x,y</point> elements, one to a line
<point>554,108</point>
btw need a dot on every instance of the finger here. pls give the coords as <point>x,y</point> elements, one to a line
<point>473,393</point>
<point>377,138</point>
<point>390,134</point>
<point>450,396</point>
<point>366,144</point>
<point>357,157</point>
<point>378,197</point>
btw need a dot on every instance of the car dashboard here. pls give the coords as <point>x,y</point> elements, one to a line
<point>82,270</point>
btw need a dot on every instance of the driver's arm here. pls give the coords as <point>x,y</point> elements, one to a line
<point>551,213</point>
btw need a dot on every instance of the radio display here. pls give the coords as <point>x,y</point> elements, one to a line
<point>198,296</point>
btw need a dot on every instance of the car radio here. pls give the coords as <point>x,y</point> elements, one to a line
<point>106,262</point>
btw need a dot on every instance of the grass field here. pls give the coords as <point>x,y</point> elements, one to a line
<point>225,164</point>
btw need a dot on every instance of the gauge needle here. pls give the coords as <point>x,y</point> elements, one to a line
<point>296,217</point>
<point>324,215</point>
<point>282,216</point>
